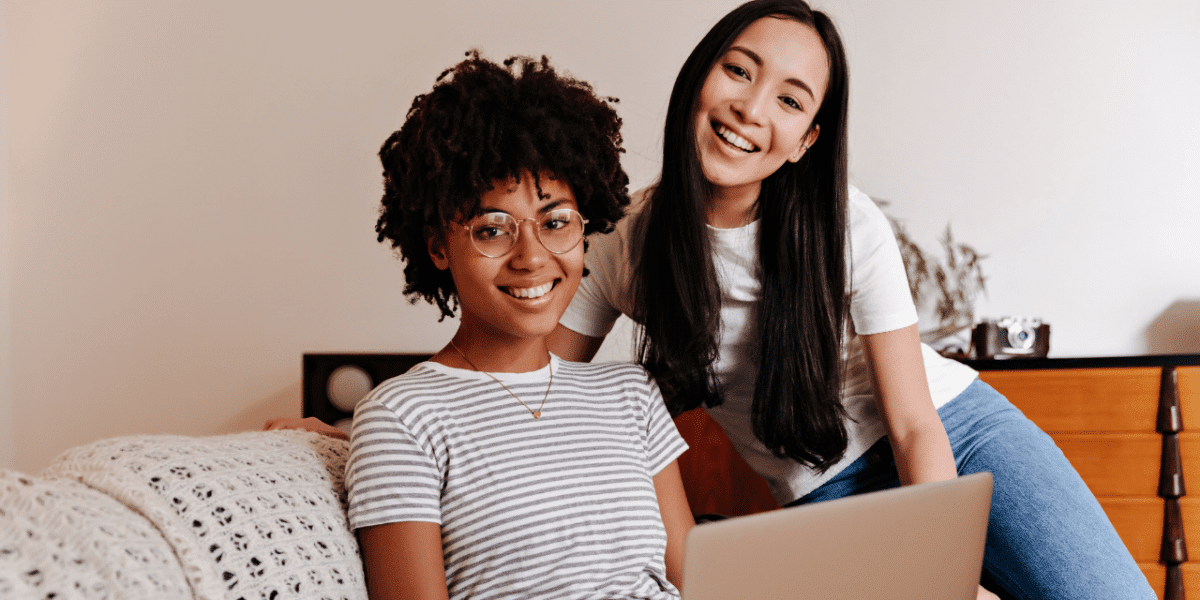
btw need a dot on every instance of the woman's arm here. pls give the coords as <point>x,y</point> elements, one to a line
<point>676,516</point>
<point>404,561</point>
<point>915,430</point>
<point>571,345</point>
<point>917,435</point>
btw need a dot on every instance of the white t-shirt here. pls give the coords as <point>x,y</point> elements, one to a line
<point>558,507</point>
<point>879,302</point>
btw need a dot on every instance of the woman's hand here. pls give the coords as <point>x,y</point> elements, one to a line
<point>306,424</point>
<point>985,595</point>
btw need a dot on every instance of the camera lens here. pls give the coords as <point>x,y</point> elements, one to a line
<point>1020,336</point>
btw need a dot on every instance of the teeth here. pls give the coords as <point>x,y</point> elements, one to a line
<point>533,292</point>
<point>735,139</point>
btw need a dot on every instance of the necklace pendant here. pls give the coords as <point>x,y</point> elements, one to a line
<point>537,414</point>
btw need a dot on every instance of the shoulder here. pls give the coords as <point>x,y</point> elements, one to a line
<point>864,214</point>
<point>637,200</point>
<point>617,242</point>
<point>617,371</point>
<point>603,295</point>
<point>419,389</point>
<point>617,389</point>
<point>611,379</point>
<point>870,230</point>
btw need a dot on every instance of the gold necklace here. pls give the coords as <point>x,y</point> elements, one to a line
<point>537,414</point>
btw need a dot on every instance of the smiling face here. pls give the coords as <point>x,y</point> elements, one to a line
<point>758,102</point>
<point>521,295</point>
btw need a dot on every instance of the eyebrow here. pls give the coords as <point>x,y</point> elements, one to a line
<point>545,208</point>
<point>752,55</point>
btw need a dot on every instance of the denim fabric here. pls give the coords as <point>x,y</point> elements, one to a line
<point>1047,535</point>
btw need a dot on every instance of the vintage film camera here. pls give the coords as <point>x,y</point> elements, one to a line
<point>1011,337</point>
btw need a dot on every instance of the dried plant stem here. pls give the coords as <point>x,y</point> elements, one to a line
<point>950,285</point>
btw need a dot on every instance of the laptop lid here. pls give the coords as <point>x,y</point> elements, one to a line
<point>914,542</point>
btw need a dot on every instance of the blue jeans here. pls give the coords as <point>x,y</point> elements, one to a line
<point>1047,535</point>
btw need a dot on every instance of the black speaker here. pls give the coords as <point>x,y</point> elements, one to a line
<point>334,383</point>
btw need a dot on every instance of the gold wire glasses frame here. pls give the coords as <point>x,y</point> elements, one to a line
<point>494,234</point>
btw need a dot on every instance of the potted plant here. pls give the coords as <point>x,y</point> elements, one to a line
<point>944,288</point>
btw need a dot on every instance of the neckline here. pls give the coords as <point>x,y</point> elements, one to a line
<point>733,238</point>
<point>539,374</point>
<point>748,225</point>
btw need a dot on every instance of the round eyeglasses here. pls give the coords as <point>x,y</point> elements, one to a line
<point>494,234</point>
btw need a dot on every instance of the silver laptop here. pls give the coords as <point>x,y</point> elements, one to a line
<point>915,542</point>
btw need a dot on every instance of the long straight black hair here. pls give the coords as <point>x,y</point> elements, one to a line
<point>797,410</point>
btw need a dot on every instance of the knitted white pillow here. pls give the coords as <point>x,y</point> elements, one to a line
<point>251,516</point>
<point>63,540</point>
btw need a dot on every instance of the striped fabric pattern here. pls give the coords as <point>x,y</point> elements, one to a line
<point>558,507</point>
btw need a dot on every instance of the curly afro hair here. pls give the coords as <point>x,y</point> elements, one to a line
<point>481,123</point>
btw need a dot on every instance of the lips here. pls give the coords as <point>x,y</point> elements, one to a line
<point>734,139</point>
<point>531,292</point>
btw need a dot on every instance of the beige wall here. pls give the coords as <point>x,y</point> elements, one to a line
<point>194,192</point>
<point>192,186</point>
<point>6,405</point>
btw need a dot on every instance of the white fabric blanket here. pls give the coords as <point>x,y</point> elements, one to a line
<point>61,539</point>
<point>246,516</point>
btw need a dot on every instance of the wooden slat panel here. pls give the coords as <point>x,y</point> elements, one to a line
<point>1083,399</point>
<point>1189,446</point>
<point>1191,579</point>
<point>1190,505</point>
<point>1189,450</point>
<point>1071,400</point>
<point>1189,396</point>
<point>1116,464</point>
<point>1156,574</point>
<point>1139,523</point>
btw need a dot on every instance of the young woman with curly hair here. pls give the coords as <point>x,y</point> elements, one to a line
<point>772,293</point>
<point>496,470</point>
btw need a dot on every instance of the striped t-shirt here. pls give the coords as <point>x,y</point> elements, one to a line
<point>558,507</point>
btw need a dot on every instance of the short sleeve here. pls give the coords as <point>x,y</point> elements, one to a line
<point>663,442</point>
<point>604,294</point>
<point>590,312</point>
<point>880,300</point>
<point>390,477</point>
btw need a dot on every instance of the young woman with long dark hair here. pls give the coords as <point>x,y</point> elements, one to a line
<point>772,293</point>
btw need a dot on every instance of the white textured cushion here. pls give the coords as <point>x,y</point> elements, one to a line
<point>63,540</point>
<point>250,515</point>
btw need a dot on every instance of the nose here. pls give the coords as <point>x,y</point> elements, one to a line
<point>750,107</point>
<point>528,252</point>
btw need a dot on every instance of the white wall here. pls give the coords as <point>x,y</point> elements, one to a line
<point>192,188</point>
<point>1062,138</point>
